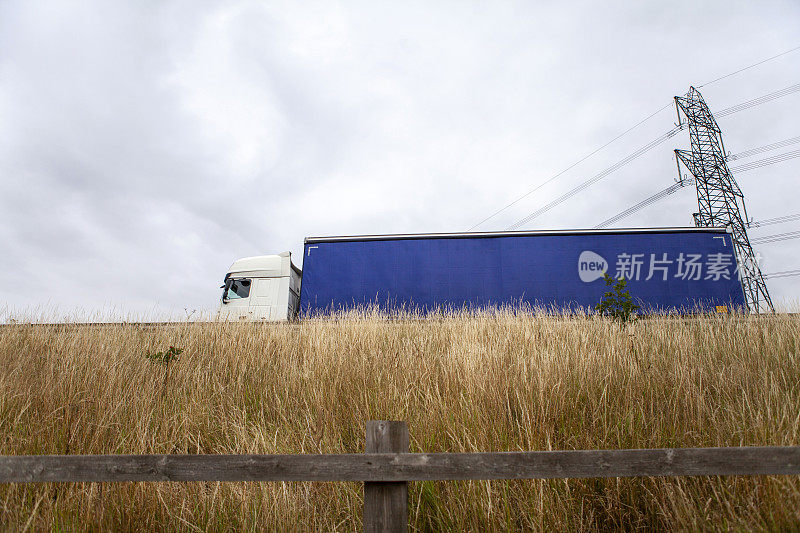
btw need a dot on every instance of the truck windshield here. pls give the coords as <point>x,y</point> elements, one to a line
<point>236,288</point>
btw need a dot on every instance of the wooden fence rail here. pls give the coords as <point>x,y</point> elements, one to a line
<point>387,467</point>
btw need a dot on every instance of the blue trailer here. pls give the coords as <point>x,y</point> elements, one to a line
<point>666,268</point>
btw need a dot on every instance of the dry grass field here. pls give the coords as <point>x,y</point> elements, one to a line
<point>491,382</point>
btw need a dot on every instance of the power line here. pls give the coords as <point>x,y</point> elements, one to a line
<point>657,197</point>
<point>777,237</point>
<point>780,158</point>
<point>750,66</point>
<point>584,158</point>
<point>664,193</point>
<point>668,191</point>
<point>783,274</point>
<point>573,165</point>
<point>776,220</point>
<point>613,168</point>
<point>758,101</point>
<point>597,177</point>
<point>766,148</point>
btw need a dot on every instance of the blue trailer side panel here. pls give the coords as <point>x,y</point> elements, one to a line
<point>666,270</point>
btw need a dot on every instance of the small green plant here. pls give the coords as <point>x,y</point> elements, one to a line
<point>617,302</point>
<point>165,358</point>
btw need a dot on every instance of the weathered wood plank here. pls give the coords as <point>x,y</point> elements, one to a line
<point>383,467</point>
<point>604,463</point>
<point>386,503</point>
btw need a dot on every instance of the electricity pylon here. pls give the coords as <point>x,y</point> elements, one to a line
<point>719,199</point>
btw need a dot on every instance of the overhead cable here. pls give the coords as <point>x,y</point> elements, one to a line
<point>780,158</point>
<point>613,168</point>
<point>573,165</point>
<point>750,66</point>
<point>777,237</point>
<point>660,195</point>
<point>783,274</point>
<point>597,177</point>
<point>758,101</point>
<point>728,111</point>
<point>766,148</point>
<point>776,220</point>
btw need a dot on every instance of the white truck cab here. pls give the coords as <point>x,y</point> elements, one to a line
<point>265,288</point>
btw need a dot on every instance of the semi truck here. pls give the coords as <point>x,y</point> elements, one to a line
<point>667,269</point>
<point>262,288</point>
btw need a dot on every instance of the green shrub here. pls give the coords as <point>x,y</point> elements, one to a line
<point>617,302</point>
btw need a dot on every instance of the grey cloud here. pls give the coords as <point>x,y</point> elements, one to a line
<point>143,147</point>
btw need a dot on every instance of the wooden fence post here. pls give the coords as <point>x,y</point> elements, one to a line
<point>386,503</point>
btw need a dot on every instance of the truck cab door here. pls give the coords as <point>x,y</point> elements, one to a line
<point>266,300</point>
<point>236,300</point>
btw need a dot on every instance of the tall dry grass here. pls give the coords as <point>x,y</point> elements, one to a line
<point>480,382</point>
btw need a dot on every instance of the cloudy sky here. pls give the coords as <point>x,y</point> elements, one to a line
<point>145,146</point>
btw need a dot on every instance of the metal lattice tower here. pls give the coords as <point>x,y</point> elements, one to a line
<point>719,199</point>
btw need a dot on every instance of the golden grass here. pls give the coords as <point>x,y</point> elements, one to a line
<point>480,382</point>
